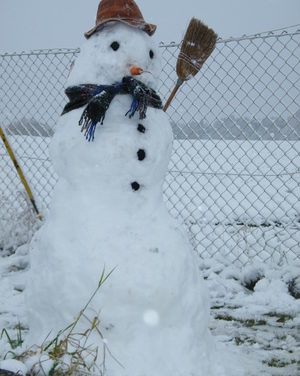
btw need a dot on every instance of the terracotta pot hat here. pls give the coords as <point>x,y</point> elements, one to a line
<point>125,11</point>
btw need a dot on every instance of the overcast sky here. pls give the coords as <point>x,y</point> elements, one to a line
<point>35,24</point>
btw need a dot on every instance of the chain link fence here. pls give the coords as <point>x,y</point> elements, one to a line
<point>234,178</point>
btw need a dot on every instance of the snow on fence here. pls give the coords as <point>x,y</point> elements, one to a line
<point>234,178</point>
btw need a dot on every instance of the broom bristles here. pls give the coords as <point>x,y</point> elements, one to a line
<point>198,44</point>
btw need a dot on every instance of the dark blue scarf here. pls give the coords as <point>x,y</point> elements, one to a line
<point>98,99</point>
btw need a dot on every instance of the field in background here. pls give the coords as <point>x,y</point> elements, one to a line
<point>259,216</point>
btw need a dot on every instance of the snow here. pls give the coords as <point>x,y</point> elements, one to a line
<point>263,322</point>
<point>98,62</point>
<point>13,365</point>
<point>255,323</point>
<point>151,317</point>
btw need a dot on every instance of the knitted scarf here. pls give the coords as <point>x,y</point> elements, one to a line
<point>99,97</point>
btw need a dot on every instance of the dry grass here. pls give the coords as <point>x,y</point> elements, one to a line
<point>72,351</point>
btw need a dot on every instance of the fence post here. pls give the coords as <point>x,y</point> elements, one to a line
<point>20,173</point>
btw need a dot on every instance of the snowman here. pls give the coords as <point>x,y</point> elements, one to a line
<point>111,150</point>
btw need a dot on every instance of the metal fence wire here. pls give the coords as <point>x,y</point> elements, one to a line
<point>234,177</point>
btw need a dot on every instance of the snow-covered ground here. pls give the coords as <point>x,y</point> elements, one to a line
<point>252,308</point>
<point>261,320</point>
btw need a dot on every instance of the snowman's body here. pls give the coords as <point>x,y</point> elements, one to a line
<point>153,308</point>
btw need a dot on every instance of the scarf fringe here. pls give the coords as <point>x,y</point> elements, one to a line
<point>99,98</point>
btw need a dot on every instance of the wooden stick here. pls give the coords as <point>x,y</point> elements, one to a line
<point>172,95</point>
<point>20,173</point>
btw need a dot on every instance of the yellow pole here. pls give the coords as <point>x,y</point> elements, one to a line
<point>20,173</point>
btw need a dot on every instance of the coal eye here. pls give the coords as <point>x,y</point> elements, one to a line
<point>151,54</point>
<point>115,46</point>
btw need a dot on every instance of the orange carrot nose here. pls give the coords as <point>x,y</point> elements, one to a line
<point>136,71</point>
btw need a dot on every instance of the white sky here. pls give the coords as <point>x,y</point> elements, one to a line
<point>35,24</point>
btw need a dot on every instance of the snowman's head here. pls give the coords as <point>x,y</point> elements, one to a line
<point>109,55</point>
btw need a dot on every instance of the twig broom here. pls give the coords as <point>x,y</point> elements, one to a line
<point>198,44</point>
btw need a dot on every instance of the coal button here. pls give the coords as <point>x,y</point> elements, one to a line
<point>141,128</point>
<point>135,186</point>
<point>141,154</point>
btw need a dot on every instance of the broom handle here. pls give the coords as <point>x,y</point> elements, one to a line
<point>172,95</point>
<point>20,173</point>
